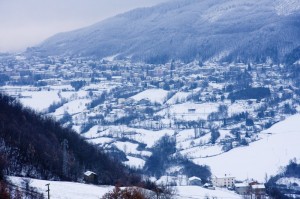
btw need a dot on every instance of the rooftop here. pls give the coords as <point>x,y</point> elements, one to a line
<point>88,173</point>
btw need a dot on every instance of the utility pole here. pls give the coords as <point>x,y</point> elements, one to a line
<point>48,190</point>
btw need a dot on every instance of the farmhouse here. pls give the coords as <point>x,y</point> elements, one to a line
<point>90,177</point>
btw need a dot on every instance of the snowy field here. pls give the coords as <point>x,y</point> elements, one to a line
<point>178,98</point>
<point>66,190</point>
<point>278,146</point>
<point>153,95</point>
<point>73,107</point>
<point>71,190</point>
<point>147,137</point>
<point>32,97</point>
<point>195,192</point>
<point>181,111</point>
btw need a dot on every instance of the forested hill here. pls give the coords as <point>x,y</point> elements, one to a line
<point>212,30</point>
<point>32,146</point>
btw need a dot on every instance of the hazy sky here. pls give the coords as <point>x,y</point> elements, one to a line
<point>25,23</point>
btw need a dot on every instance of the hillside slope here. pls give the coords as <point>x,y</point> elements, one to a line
<point>277,147</point>
<point>189,29</point>
<point>32,146</point>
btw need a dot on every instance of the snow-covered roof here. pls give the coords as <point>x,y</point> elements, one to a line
<point>239,185</point>
<point>88,173</point>
<point>258,186</point>
<point>194,178</point>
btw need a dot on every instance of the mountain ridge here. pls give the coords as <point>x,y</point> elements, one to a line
<point>206,30</point>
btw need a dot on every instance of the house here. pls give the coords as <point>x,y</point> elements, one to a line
<point>242,188</point>
<point>195,181</point>
<point>251,188</point>
<point>223,181</point>
<point>258,189</point>
<point>90,177</point>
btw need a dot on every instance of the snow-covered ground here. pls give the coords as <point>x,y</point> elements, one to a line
<point>66,190</point>
<point>73,107</point>
<point>148,137</point>
<point>153,95</point>
<point>72,190</point>
<point>288,181</point>
<point>184,111</point>
<point>287,7</point>
<point>279,144</point>
<point>178,97</point>
<point>193,192</point>
<point>39,100</point>
<point>134,162</point>
<point>32,97</point>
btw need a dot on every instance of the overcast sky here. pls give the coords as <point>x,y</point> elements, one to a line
<point>25,23</point>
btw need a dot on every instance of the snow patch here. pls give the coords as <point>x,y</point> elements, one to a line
<point>287,7</point>
<point>153,95</point>
<point>288,181</point>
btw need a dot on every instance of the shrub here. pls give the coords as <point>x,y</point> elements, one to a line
<point>127,193</point>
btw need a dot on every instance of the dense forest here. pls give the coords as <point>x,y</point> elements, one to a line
<point>31,145</point>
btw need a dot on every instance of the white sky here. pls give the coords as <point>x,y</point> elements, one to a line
<point>25,23</point>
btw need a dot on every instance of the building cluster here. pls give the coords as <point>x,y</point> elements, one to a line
<point>175,75</point>
<point>205,83</point>
<point>248,188</point>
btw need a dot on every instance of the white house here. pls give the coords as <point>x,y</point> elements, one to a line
<point>258,189</point>
<point>223,181</point>
<point>242,188</point>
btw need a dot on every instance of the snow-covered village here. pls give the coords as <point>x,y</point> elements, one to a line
<point>184,99</point>
<point>210,112</point>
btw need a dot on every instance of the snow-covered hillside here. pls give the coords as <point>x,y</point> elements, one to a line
<point>277,146</point>
<point>266,153</point>
<point>215,114</point>
<point>210,30</point>
<point>274,149</point>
